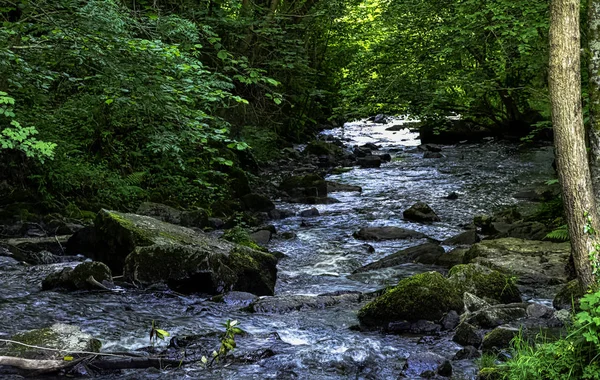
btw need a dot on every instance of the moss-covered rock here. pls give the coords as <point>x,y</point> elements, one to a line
<point>150,251</point>
<point>310,185</point>
<point>535,264</point>
<point>484,282</point>
<point>421,212</point>
<point>257,203</point>
<point>322,148</point>
<point>66,338</point>
<point>423,296</point>
<point>78,278</point>
<point>498,338</point>
<point>569,296</point>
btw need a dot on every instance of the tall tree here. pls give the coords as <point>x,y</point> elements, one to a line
<point>593,55</point>
<point>569,135</point>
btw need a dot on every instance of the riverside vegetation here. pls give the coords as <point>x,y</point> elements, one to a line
<point>185,163</point>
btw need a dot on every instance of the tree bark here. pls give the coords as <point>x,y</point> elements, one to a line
<point>569,134</point>
<point>593,55</point>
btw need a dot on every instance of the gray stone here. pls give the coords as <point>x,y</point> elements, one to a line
<point>498,338</point>
<point>473,303</point>
<point>313,212</point>
<point>262,237</point>
<point>369,162</point>
<point>465,238</point>
<point>78,278</point>
<point>420,212</point>
<point>387,233</point>
<point>333,187</point>
<point>404,256</point>
<point>468,335</point>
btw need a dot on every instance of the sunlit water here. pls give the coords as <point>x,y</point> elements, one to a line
<point>314,344</point>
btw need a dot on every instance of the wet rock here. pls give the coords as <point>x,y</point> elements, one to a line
<point>405,256</point>
<point>422,364</point>
<point>150,251</point>
<point>568,295</point>
<point>445,369</point>
<point>262,237</point>
<point>498,338</point>
<point>429,148</point>
<point>465,238</point>
<point>450,320</point>
<point>257,203</point>
<point>522,230</point>
<point>452,258</point>
<point>287,235</point>
<point>361,152</point>
<point>369,161</point>
<point>313,212</point>
<point>79,278</point>
<point>7,263</point>
<point>473,303</point>
<point>241,299</point>
<point>63,338</point>
<point>452,196</point>
<point>333,187</point>
<point>385,157</point>
<point>371,146</point>
<point>420,212</point>
<point>387,233</point>
<point>432,155</point>
<point>536,310</point>
<point>468,352</point>
<point>193,218</point>
<point>280,214</point>
<point>215,223</point>
<point>420,327</point>
<point>534,263</point>
<point>286,304</point>
<point>450,132</point>
<point>468,335</point>
<point>310,185</point>
<point>496,315</point>
<point>426,296</point>
<point>379,119</point>
<point>484,282</point>
<point>24,249</point>
<point>395,128</point>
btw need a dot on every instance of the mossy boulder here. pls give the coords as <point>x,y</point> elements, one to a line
<point>150,251</point>
<point>484,282</point>
<point>426,296</point>
<point>498,338</point>
<point>257,203</point>
<point>191,218</point>
<point>535,264</point>
<point>322,148</point>
<point>66,338</point>
<point>310,185</point>
<point>568,296</point>
<point>78,278</point>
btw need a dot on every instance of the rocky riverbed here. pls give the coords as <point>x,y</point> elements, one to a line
<point>334,259</point>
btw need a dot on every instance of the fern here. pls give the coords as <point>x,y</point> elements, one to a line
<point>560,234</point>
<point>135,179</point>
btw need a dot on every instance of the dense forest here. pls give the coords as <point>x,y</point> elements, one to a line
<point>300,189</point>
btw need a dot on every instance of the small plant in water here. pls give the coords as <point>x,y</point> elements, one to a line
<point>156,333</point>
<point>227,342</point>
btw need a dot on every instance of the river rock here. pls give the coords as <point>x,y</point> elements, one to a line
<point>241,299</point>
<point>420,212</point>
<point>536,310</point>
<point>285,304</point>
<point>465,238</point>
<point>78,278</point>
<point>361,152</point>
<point>484,282</point>
<point>369,162</point>
<point>474,303</point>
<point>468,335</point>
<point>310,213</point>
<point>426,296</point>
<point>534,263</point>
<point>257,203</point>
<point>25,249</point>
<point>430,148</point>
<point>310,185</point>
<point>379,119</point>
<point>568,296</point>
<point>450,320</point>
<point>385,157</point>
<point>521,230</point>
<point>404,256</point>
<point>150,251</point>
<point>63,338</point>
<point>262,237</point>
<point>432,155</point>
<point>422,365</point>
<point>387,233</point>
<point>192,218</point>
<point>468,352</point>
<point>452,258</point>
<point>333,187</point>
<point>498,338</point>
<point>496,315</point>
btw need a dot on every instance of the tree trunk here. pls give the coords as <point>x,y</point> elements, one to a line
<point>569,134</point>
<point>594,92</point>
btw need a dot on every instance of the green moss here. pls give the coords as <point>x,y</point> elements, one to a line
<point>321,148</point>
<point>485,283</point>
<point>423,296</point>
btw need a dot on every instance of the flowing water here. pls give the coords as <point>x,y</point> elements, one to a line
<point>311,344</point>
